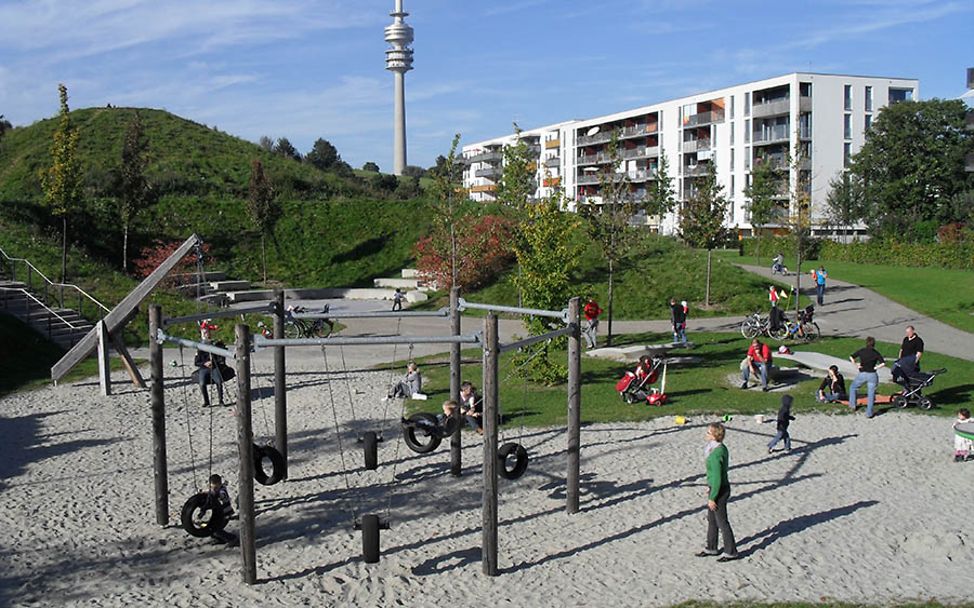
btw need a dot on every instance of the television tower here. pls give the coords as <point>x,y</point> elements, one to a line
<point>399,60</point>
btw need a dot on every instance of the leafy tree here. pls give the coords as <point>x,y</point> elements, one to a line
<point>413,171</point>
<point>517,183</point>
<point>133,193</point>
<point>845,204</point>
<point>4,126</point>
<point>408,188</point>
<point>608,221</point>
<point>286,149</point>
<point>483,252</point>
<point>447,210</point>
<point>262,206</point>
<point>760,193</point>
<point>437,163</point>
<point>661,198</point>
<point>384,183</point>
<point>323,154</point>
<point>800,210</point>
<point>913,162</point>
<point>62,180</point>
<point>370,167</point>
<point>266,143</point>
<point>702,219</point>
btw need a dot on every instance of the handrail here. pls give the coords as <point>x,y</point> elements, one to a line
<point>52,283</point>
<point>42,304</point>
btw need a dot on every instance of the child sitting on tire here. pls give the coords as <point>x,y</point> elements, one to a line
<point>218,497</point>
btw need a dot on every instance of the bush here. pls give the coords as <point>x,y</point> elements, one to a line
<point>155,254</point>
<point>787,245</point>
<point>955,254</point>
<point>483,251</point>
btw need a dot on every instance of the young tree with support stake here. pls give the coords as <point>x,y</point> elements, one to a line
<point>702,219</point>
<point>133,192</point>
<point>62,180</point>
<point>800,211</point>
<point>845,202</point>
<point>760,193</point>
<point>263,207</point>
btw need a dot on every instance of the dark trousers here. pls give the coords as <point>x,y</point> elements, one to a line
<point>212,375</point>
<point>717,520</point>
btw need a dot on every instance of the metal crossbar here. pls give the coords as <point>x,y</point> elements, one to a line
<point>535,339</point>
<point>207,348</point>
<point>443,312</point>
<point>217,314</point>
<point>262,342</point>
<point>562,315</point>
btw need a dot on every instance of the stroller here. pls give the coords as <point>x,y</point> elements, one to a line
<point>634,387</point>
<point>914,381</point>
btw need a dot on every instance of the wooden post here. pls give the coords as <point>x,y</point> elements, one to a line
<point>127,361</point>
<point>159,465</point>
<point>574,405</point>
<point>245,449</point>
<point>456,456</point>
<point>491,353</point>
<point>280,381</point>
<point>104,363</point>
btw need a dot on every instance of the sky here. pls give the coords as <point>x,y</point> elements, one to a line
<point>305,69</point>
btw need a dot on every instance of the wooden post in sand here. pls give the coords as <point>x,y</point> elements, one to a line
<point>245,450</point>
<point>574,404</point>
<point>160,471</point>
<point>456,458</point>
<point>491,355</point>
<point>280,382</point>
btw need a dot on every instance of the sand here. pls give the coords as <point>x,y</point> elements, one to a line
<point>861,510</point>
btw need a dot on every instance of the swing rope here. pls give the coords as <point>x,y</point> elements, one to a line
<point>260,397</point>
<point>338,433</point>
<point>189,430</point>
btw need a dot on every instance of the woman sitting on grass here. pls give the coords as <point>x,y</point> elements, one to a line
<point>832,388</point>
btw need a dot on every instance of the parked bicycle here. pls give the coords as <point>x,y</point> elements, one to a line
<point>755,325</point>
<point>796,330</point>
<point>804,329</point>
<point>307,328</point>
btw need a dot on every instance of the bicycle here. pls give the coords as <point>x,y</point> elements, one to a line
<point>754,325</point>
<point>307,328</point>
<point>794,330</point>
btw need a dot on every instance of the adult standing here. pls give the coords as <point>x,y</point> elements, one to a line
<point>592,312</point>
<point>758,362</point>
<point>820,276</point>
<point>869,361</point>
<point>717,459</point>
<point>908,359</point>
<point>678,317</point>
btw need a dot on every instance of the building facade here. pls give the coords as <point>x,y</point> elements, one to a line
<point>807,124</point>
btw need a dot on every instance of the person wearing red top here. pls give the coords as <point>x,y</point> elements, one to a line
<point>592,312</point>
<point>758,362</point>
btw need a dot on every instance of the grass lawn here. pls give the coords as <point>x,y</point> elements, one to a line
<point>943,294</point>
<point>697,389</point>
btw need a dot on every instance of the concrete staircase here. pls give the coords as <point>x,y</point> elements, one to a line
<point>63,326</point>
<point>215,288</point>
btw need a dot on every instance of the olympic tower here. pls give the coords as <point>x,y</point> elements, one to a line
<point>399,60</point>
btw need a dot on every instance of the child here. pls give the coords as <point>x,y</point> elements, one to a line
<point>409,387</point>
<point>218,498</point>
<point>443,420</point>
<point>678,317</point>
<point>717,460</point>
<point>210,368</point>
<point>397,299</point>
<point>592,312</point>
<point>784,419</point>
<point>471,407</point>
<point>963,447</point>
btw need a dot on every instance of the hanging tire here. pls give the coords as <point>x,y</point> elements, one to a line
<point>200,518</point>
<point>370,443</point>
<point>370,539</point>
<point>512,452</point>
<point>268,452</point>
<point>419,433</point>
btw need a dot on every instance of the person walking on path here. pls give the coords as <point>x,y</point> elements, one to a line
<point>784,419</point>
<point>592,312</point>
<point>820,275</point>
<point>908,359</point>
<point>758,362</point>
<point>717,459</point>
<point>397,299</point>
<point>869,360</point>
<point>678,316</point>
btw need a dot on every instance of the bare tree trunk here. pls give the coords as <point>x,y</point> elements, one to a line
<point>608,338</point>
<point>263,257</point>
<point>706,299</point>
<point>64,248</point>
<point>125,248</point>
<point>798,278</point>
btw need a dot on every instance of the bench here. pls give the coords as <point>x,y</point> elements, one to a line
<point>628,354</point>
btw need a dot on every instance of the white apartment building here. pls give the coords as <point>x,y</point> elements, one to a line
<point>824,116</point>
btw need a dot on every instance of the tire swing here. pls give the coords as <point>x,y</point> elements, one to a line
<point>421,432</point>
<point>512,457</point>
<point>266,453</point>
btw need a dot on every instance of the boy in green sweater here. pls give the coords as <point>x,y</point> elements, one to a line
<point>717,459</point>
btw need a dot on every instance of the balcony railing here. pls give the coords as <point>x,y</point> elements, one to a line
<point>553,162</point>
<point>637,176</point>
<point>771,108</point>
<point>489,172</point>
<point>552,144</point>
<point>776,134</point>
<point>805,103</point>
<point>704,118</point>
<point>489,188</point>
<point>486,157</point>
<point>598,138</point>
<point>696,170</point>
<point>696,145</point>
<point>638,130</point>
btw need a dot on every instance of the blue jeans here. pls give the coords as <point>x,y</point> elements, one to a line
<point>871,380</point>
<point>680,333</point>
<point>828,397</point>
<point>778,437</point>
<point>762,368</point>
<point>820,292</point>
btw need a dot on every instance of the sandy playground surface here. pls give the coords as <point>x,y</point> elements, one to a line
<point>862,510</point>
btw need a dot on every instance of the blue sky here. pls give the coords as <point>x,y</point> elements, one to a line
<point>314,68</point>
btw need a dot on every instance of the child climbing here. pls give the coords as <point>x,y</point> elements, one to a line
<point>963,446</point>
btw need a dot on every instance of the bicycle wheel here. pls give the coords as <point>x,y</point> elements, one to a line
<point>780,333</point>
<point>323,328</point>
<point>750,329</point>
<point>811,331</point>
<point>292,330</point>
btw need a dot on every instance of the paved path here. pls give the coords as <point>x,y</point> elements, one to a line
<point>851,310</point>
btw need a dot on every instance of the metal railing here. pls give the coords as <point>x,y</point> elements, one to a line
<point>696,145</point>
<point>29,297</point>
<point>704,118</point>
<point>50,288</point>
<point>771,108</point>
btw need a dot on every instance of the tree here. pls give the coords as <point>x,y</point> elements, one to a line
<point>413,171</point>
<point>371,167</point>
<point>285,149</point>
<point>661,198</point>
<point>323,155</point>
<point>407,188</point>
<point>608,221</point>
<point>384,183</point>
<point>263,208</point>
<point>800,210</point>
<point>517,184</point>
<point>132,190</point>
<point>702,219</point>
<point>437,163</point>
<point>760,193</point>
<point>266,143</point>
<point>913,162</point>
<point>62,180</point>
<point>4,126</point>
<point>447,212</point>
<point>845,205</point>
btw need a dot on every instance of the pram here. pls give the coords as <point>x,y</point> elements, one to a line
<point>913,382</point>
<point>635,387</point>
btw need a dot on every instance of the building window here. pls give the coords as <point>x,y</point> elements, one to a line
<point>898,95</point>
<point>732,160</point>
<point>747,131</point>
<point>732,191</point>
<point>847,155</point>
<point>869,121</point>
<point>868,99</point>
<point>732,134</point>
<point>848,97</point>
<point>847,126</point>
<point>747,159</point>
<point>747,104</point>
<point>732,107</point>
<point>805,89</point>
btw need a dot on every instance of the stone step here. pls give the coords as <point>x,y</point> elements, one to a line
<point>323,293</point>
<point>394,283</point>
<point>184,278</point>
<point>230,285</point>
<point>217,299</point>
<point>191,289</point>
<point>13,284</point>
<point>410,273</point>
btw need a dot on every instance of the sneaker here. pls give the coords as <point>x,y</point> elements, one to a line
<point>959,458</point>
<point>728,558</point>
<point>765,389</point>
<point>707,553</point>
<point>743,384</point>
<point>770,450</point>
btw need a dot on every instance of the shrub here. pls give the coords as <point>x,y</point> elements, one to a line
<point>151,256</point>
<point>483,251</point>
<point>787,245</point>
<point>957,254</point>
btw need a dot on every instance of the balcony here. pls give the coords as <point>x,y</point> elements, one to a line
<point>599,158</point>
<point>489,188</point>
<point>488,156</point>
<point>552,144</point>
<point>771,108</point>
<point>599,138</point>
<point>696,145</point>
<point>638,176</point>
<point>704,118</point>
<point>553,163</point>
<point>697,170</point>
<point>551,182</point>
<point>641,152</point>
<point>638,130</point>
<point>805,103</point>
<point>489,172</point>
<point>773,135</point>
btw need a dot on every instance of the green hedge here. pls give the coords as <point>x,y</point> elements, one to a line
<point>769,246</point>
<point>958,255</point>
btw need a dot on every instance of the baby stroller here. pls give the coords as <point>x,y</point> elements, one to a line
<point>914,381</point>
<point>635,387</point>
